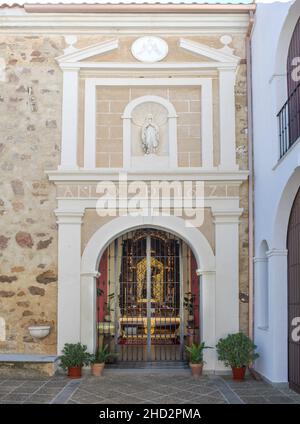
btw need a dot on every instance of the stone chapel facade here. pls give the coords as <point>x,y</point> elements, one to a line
<point>76,92</point>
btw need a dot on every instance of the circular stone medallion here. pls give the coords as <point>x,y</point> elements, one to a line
<point>149,49</point>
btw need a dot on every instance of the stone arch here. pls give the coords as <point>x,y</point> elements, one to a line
<point>127,132</point>
<point>106,234</point>
<point>282,50</point>
<point>283,211</point>
<point>145,99</point>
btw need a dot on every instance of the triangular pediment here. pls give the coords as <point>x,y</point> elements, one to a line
<point>222,55</point>
<point>76,55</point>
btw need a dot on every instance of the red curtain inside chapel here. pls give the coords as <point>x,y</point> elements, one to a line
<point>102,288</point>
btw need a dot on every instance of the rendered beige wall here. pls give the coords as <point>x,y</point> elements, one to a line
<point>111,102</point>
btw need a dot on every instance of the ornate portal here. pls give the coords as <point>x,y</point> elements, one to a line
<point>143,287</point>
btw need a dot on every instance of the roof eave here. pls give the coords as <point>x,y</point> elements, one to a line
<point>139,8</point>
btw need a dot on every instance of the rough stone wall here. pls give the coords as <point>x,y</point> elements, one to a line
<point>242,159</point>
<point>29,144</point>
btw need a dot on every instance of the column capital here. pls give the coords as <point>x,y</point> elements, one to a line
<point>257,260</point>
<point>69,67</point>
<point>276,252</point>
<point>69,216</point>
<point>227,216</point>
<point>94,274</point>
<point>205,272</point>
<point>231,67</point>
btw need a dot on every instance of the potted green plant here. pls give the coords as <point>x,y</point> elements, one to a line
<point>74,357</point>
<point>238,352</point>
<point>99,359</point>
<point>195,352</point>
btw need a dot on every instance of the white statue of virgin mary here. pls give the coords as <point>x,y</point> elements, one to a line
<point>150,136</point>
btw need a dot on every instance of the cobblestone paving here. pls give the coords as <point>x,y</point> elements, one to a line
<point>143,387</point>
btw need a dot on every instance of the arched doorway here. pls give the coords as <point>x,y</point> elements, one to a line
<point>148,297</point>
<point>293,246</point>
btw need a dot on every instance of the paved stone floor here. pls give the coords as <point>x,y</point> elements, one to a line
<point>144,387</point>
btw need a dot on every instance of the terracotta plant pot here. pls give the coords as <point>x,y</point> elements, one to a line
<point>74,372</point>
<point>196,369</point>
<point>97,369</point>
<point>238,373</point>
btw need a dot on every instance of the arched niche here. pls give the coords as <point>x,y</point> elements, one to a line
<point>164,117</point>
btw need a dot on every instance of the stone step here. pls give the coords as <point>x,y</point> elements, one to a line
<point>22,357</point>
<point>149,365</point>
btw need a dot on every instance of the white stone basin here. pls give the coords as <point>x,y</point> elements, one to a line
<point>39,331</point>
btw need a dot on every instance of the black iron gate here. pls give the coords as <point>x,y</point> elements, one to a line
<point>148,302</point>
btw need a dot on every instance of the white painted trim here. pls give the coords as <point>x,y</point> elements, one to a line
<point>209,52</point>
<point>83,175</point>
<point>125,23</point>
<point>227,118</point>
<point>148,81</point>
<point>87,52</point>
<point>151,66</point>
<point>207,124</point>
<point>69,119</point>
<point>226,204</point>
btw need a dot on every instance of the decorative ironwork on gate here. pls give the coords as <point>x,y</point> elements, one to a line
<point>148,297</point>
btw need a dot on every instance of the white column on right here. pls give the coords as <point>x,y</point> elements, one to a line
<point>227,118</point>
<point>278,322</point>
<point>207,283</point>
<point>207,125</point>
<point>227,273</point>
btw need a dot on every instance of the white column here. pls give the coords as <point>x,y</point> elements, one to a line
<point>227,273</point>
<point>90,124</point>
<point>69,258</point>
<point>227,119</point>
<point>88,329</point>
<point>207,124</point>
<point>207,281</point>
<point>69,119</point>
<point>278,317</point>
<point>261,294</point>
